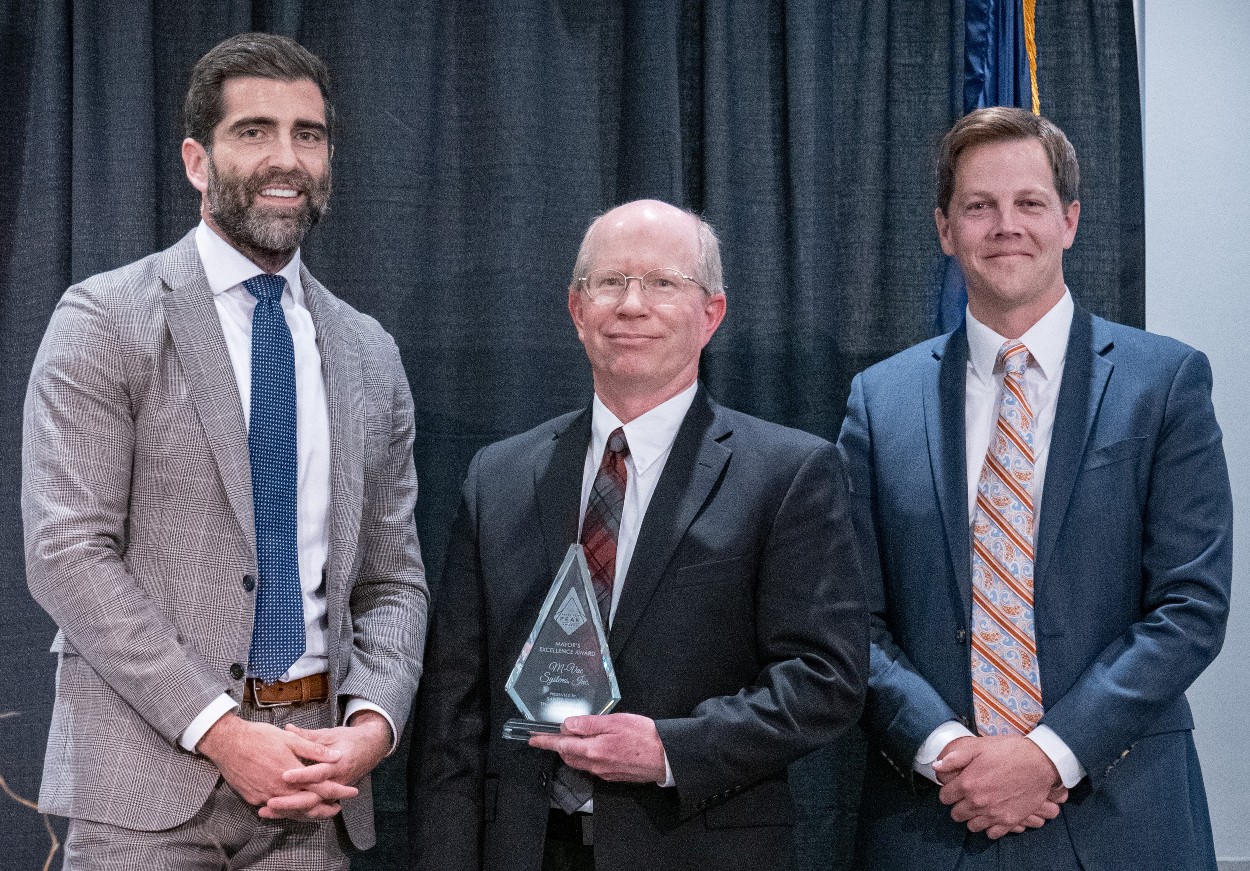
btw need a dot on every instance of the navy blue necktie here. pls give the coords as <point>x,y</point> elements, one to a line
<point>278,630</point>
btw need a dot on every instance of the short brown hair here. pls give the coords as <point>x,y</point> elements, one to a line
<point>258,55</point>
<point>1002,124</point>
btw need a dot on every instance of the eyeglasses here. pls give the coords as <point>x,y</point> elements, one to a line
<point>658,285</point>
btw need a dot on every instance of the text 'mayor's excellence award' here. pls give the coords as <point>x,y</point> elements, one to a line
<point>564,668</point>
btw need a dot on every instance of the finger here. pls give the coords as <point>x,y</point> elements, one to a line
<point>979,824</point>
<point>996,832</point>
<point>1049,810</point>
<point>1058,795</point>
<point>323,780</point>
<point>545,742</point>
<point>955,759</point>
<point>306,774</point>
<point>296,802</point>
<point>963,812</point>
<point>321,811</point>
<point>1032,821</point>
<point>311,751</point>
<point>317,736</point>
<point>952,792</point>
<point>333,791</point>
<point>587,726</point>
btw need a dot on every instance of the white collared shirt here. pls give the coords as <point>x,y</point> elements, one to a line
<point>1047,341</point>
<point>226,269</point>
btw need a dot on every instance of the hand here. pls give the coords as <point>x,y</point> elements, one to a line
<point>317,788</point>
<point>999,784</point>
<point>611,746</point>
<point>253,757</point>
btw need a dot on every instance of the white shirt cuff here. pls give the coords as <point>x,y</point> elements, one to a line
<point>668,774</point>
<point>356,705</point>
<point>1070,769</point>
<point>204,721</point>
<point>933,746</point>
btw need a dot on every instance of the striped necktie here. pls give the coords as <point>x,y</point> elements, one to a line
<point>1006,684</point>
<point>602,523</point>
<point>571,788</point>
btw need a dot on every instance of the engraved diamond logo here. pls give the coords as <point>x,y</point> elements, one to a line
<point>571,616</point>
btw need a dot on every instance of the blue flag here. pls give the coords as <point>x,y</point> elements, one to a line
<point>997,72</point>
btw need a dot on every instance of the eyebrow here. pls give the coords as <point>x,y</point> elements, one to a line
<point>264,121</point>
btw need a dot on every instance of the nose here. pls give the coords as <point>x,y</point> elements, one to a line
<point>282,153</point>
<point>633,298</point>
<point>1008,222</point>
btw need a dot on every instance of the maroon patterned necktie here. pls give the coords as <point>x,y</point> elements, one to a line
<point>571,788</point>
<point>602,522</point>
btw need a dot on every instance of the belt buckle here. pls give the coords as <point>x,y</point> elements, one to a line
<point>258,703</point>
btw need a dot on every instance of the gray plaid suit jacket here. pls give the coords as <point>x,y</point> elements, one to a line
<point>137,506</point>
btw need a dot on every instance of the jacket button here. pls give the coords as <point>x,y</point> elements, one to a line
<point>249,583</point>
<point>236,671</point>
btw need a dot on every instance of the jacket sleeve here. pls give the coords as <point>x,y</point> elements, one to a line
<point>1185,545</point>
<point>811,634</point>
<point>447,764</point>
<point>78,443</point>
<point>902,708</point>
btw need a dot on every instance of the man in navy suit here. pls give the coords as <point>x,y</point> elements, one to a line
<point>734,599</point>
<point>1047,517</point>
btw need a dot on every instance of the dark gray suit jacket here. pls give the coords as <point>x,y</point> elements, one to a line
<point>740,630</point>
<point>1131,587</point>
<point>137,506</point>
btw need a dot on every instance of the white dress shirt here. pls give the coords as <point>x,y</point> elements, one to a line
<point>226,269</point>
<point>1047,341</point>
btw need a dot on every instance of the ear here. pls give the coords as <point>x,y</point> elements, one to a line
<point>714,308</point>
<point>1071,217</point>
<point>195,161</point>
<point>944,230</point>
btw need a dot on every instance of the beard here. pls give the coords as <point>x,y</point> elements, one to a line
<point>274,231</point>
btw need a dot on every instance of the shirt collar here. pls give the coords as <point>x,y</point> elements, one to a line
<point>649,435</point>
<point>227,268</point>
<point>1047,341</point>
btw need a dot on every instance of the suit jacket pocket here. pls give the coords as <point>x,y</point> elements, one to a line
<point>718,571</point>
<point>766,804</point>
<point>1125,449</point>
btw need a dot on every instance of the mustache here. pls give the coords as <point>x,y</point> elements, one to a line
<point>296,179</point>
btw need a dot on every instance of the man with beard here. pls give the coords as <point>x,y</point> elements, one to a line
<point>218,505</point>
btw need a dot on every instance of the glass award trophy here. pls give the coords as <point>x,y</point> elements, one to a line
<point>564,668</point>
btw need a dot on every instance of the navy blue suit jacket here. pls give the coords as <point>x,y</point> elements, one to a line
<point>1132,578</point>
<point>741,630</point>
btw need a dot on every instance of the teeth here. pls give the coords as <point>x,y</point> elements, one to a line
<point>279,192</point>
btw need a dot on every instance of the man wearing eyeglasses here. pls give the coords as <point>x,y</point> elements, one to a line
<point>735,615</point>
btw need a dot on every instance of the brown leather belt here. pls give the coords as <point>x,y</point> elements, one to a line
<point>313,688</point>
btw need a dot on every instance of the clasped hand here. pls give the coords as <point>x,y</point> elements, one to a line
<point>611,746</point>
<point>296,773</point>
<point>999,784</point>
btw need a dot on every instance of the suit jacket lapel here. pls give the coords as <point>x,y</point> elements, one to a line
<point>339,347</point>
<point>1085,375</point>
<point>558,488</point>
<point>694,465</point>
<point>944,428</point>
<point>195,329</point>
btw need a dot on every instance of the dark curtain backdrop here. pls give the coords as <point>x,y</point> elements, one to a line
<point>477,139</point>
